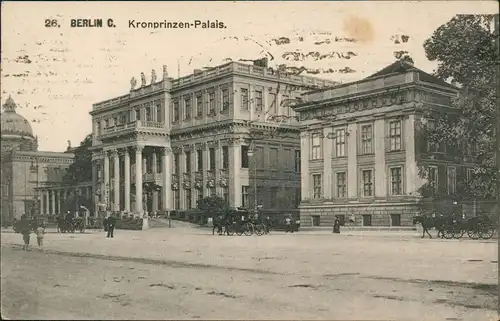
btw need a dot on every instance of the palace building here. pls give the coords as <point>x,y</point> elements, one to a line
<point>31,180</point>
<point>360,148</point>
<point>166,144</point>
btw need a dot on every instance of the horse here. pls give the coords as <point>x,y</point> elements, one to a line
<point>217,223</point>
<point>430,222</point>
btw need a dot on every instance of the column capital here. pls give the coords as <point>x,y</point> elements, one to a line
<point>202,146</point>
<point>111,152</point>
<point>165,150</point>
<point>138,148</point>
<point>213,143</point>
<point>124,151</point>
<point>176,150</point>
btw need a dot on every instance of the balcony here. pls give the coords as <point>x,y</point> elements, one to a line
<point>131,127</point>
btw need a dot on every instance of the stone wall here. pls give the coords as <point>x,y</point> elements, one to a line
<point>380,214</point>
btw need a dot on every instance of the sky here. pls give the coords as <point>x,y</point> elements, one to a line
<point>55,74</point>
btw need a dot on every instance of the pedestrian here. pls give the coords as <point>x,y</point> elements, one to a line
<point>111,225</point>
<point>288,224</point>
<point>25,229</point>
<point>336,225</point>
<point>105,224</point>
<point>40,233</point>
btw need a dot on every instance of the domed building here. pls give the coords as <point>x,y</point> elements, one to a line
<point>31,180</point>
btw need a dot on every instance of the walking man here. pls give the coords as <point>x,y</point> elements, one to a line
<point>111,225</point>
<point>40,233</point>
<point>288,224</point>
<point>25,229</point>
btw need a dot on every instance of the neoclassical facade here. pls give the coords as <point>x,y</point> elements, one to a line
<point>31,180</point>
<point>166,144</point>
<point>360,148</point>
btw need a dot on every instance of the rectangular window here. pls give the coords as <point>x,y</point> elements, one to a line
<point>244,156</point>
<point>366,139</point>
<point>470,174</point>
<point>187,108</point>
<point>316,220</point>
<point>285,105</point>
<point>340,143</point>
<point>395,219</point>
<point>432,147</point>
<point>189,198</point>
<point>177,200</point>
<point>149,115</point>
<point>395,135</point>
<point>259,154</point>
<point>211,152</point>
<point>199,105</point>
<point>225,157</point>
<point>188,162</point>
<point>199,160</point>
<point>367,220</point>
<point>159,117</point>
<point>316,146</point>
<point>297,161</point>
<point>137,114</point>
<point>452,180</point>
<point>273,155</point>
<point>159,165</point>
<point>176,111</point>
<point>106,123</point>
<point>115,121</point>
<point>316,186</point>
<point>433,178</point>
<point>273,197</point>
<point>211,191</point>
<point>199,195</point>
<point>225,193</point>
<point>225,99</point>
<point>244,98</point>
<point>396,181</point>
<point>341,185</point>
<point>244,196</point>
<point>288,159</point>
<point>367,182</point>
<point>176,163</point>
<point>123,118</point>
<point>211,103</point>
<point>258,100</point>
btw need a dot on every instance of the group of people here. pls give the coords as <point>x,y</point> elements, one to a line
<point>25,227</point>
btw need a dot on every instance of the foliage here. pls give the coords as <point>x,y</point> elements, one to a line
<point>212,205</point>
<point>465,51</point>
<point>81,169</point>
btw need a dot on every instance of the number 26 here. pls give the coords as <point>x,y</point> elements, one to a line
<point>51,23</point>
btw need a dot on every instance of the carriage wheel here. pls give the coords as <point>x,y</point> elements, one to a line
<point>259,230</point>
<point>448,232</point>
<point>458,233</point>
<point>248,229</point>
<point>230,231</point>
<point>486,232</point>
<point>239,231</point>
<point>473,233</point>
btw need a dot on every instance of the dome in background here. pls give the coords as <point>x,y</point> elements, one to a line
<point>12,123</point>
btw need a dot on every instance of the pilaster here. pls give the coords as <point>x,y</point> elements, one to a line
<point>126,167</point>
<point>304,166</point>
<point>412,179</point>
<point>352,161</point>
<point>234,174</point>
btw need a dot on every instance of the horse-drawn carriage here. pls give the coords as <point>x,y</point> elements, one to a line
<point>239,221</point>
<point>480,227</point>
<point>70,225</point>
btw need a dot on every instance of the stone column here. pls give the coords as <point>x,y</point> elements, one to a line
<point>206,168</point>
<point>58,200</point>
<point>412,179</point>
<point>126,164</point>
<point>154,162</point>
<point>234,174</point>
<point>94,185</point>
<point>218,167</point>
<point>327,162</point>
<point>167,179</point>
<point>46,202</point>
<point>138,181</point>
<point>379,177</point>
<point>182,169</point>
<point>251,102</point>
<point>53,202</point>
<point>305,140</point>
<point>154,167</point>
<point>105,191</point>
<point>116,181</point>
<point>352,161</point>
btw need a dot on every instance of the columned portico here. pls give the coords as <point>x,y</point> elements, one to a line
<point>167,178</point>
<point>126,162</point>
<point>116,181</point>
<point>138,181</point>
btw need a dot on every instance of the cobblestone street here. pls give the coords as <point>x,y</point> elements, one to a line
<point>188,273</point>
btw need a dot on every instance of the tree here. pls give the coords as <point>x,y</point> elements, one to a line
<point>212,205</point>
<point>464,48</point>
<point>81,169</point>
